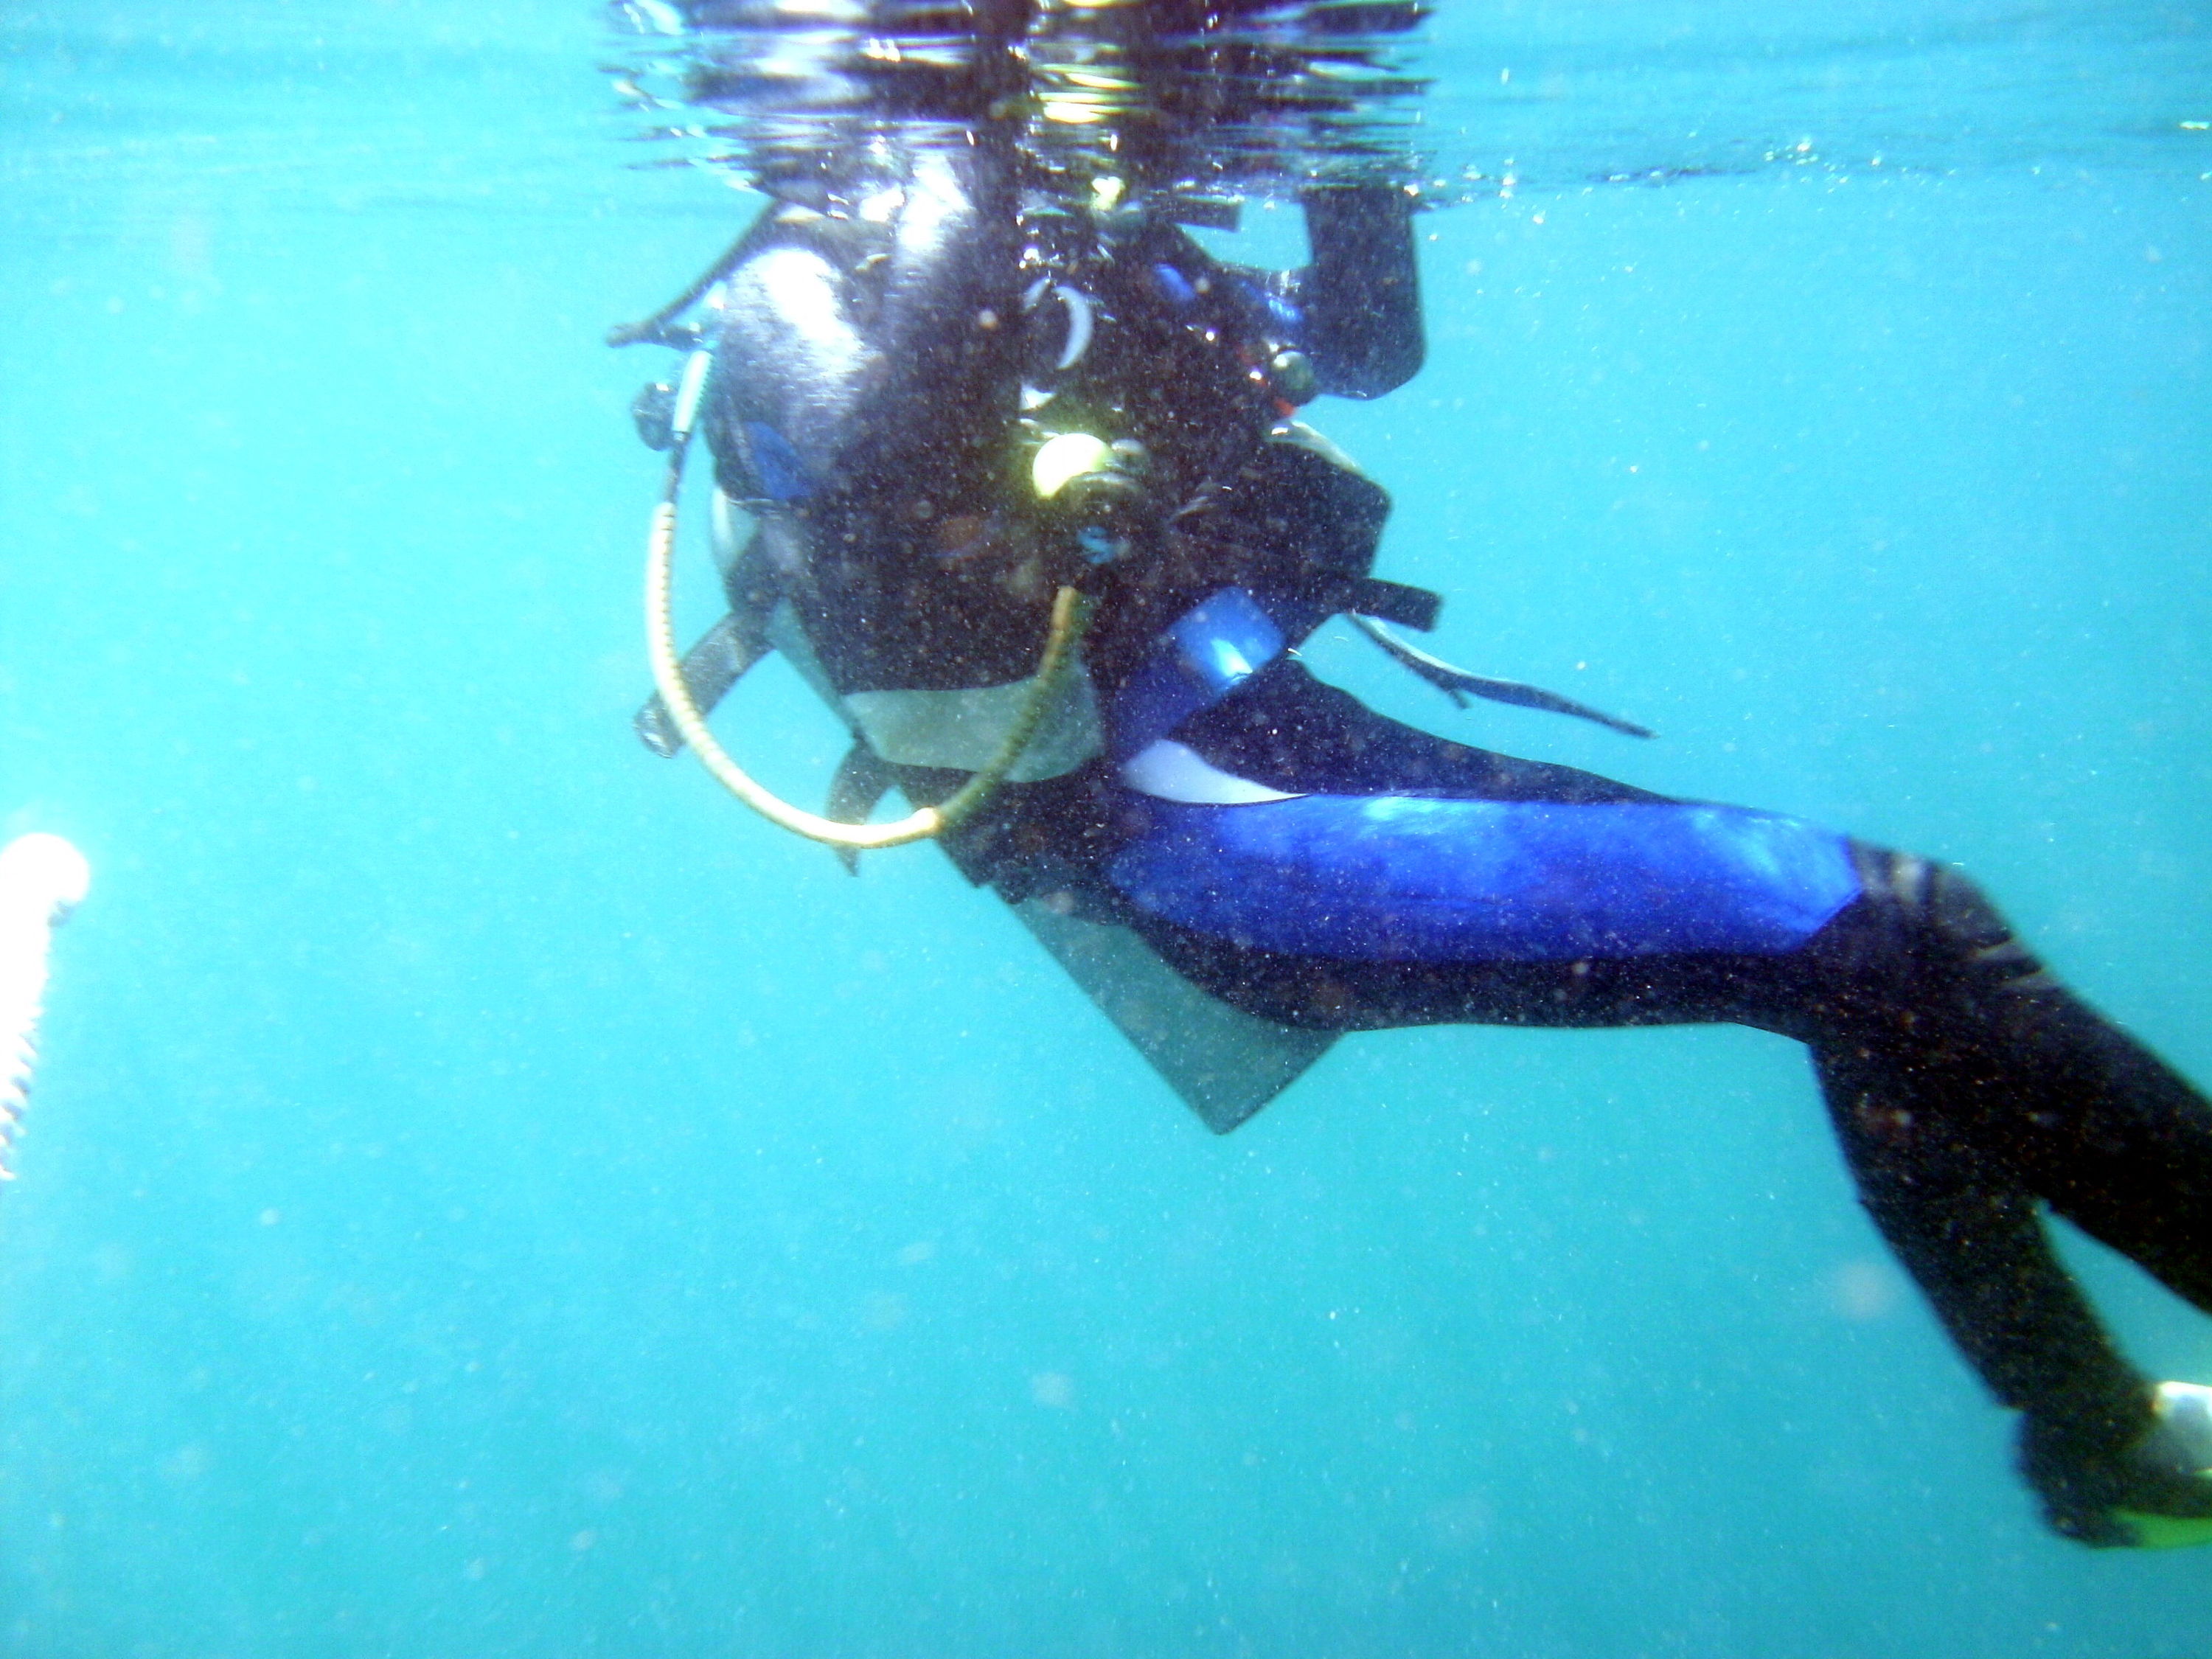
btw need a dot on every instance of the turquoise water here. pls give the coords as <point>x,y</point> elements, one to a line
<point>488,1196</point>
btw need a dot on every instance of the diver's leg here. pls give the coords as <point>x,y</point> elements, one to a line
<point>1972,1238</point>
<point>2018,1066</point>
<point>1956,1114</point>
<point>1965,1084</point>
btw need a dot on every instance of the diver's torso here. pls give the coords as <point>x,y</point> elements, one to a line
<point>891,369</point>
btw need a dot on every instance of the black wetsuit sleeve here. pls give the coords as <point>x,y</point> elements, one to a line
<point>1361,295</point>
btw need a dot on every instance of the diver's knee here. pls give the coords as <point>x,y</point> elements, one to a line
<point>1938,912</point>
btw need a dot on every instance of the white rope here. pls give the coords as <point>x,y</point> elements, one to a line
<point>42,879</point>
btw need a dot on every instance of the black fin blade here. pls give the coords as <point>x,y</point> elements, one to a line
<point>711,667</point>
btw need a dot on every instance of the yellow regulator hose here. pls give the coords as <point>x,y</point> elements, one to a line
<point>1071,614</point>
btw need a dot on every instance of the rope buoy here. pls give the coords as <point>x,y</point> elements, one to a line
<point>42,879</point>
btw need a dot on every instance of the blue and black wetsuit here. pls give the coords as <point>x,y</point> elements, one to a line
<point>895,353</point>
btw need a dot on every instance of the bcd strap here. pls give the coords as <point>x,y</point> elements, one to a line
<point>1417,608</point>
<point>1458,684</point>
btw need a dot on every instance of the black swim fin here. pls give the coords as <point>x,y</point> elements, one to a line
<point>711,667</point>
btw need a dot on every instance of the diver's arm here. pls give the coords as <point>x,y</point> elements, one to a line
<point>783,394</point>
<point>1361,295</point>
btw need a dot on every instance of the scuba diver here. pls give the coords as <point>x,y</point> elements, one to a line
<point>1014,471</point>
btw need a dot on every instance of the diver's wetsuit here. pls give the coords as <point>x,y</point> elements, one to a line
<point>892,357</point>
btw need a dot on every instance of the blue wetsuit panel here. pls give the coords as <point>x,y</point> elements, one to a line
<point>776,462</point>
<point>1407,879</point>
<point>1204,655</point>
